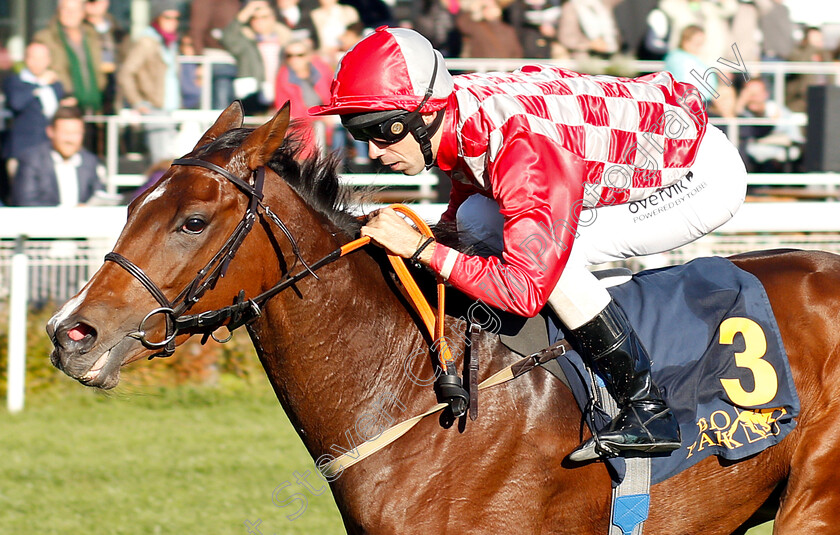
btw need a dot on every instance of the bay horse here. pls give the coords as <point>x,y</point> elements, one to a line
<point>334,345</point>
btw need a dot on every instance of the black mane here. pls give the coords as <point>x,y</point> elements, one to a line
<point>315,179</point>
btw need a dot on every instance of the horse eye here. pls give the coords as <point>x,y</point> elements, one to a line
<point>193,225</point>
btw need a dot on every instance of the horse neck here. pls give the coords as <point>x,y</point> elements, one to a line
<point>338,346</point>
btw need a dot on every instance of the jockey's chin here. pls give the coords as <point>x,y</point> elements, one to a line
<point>406,168</point>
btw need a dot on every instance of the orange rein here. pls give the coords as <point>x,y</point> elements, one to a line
<point>434,324</point>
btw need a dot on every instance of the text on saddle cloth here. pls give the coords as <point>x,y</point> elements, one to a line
<point>716,352</point>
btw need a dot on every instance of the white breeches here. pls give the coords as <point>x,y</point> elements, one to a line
<point>671,217</point>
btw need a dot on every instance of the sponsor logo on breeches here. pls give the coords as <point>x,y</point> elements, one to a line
<point>665,198</point>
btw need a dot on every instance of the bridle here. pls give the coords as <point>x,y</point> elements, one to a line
<point>448,385</point>
<point>243,310</point>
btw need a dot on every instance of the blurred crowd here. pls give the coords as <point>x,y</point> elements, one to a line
<point>267,52</point>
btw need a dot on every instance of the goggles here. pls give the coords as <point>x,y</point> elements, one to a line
<point>386,127</point>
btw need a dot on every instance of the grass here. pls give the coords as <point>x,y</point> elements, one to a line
<point>158,461</point>
<point>177,460</point>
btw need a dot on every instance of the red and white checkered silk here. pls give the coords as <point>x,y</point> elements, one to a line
<point>541,140</point>
<point>635,135</point>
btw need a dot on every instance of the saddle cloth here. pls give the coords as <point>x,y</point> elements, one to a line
<point>717,355</point>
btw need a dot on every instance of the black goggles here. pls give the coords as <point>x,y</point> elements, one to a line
<point>385,128</point>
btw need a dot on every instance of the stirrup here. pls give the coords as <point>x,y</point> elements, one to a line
<point>593,449</point>
<point>597,449</point>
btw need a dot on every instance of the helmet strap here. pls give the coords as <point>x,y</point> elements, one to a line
<point>423,134</point>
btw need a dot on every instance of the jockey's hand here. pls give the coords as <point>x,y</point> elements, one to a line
<point>388,229</point>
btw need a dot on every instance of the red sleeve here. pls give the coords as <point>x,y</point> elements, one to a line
<point>537,183</point>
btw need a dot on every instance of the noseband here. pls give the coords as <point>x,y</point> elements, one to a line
<point>243,310</point>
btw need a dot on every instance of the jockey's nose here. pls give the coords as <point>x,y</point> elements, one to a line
<point>374,150</point>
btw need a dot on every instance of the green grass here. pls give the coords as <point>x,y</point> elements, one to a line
<point>184,460</point>
<point>178,460</point>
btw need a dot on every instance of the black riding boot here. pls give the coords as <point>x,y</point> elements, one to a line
<point>610,346</point>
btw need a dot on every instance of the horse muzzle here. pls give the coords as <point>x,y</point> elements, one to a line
<point>77,353</point>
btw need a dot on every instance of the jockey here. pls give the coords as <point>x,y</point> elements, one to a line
<point>551,171</point>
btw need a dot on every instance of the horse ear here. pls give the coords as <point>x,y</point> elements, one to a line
<point>231,118</point>
<point>262,142</point>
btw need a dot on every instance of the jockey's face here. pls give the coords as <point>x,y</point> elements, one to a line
<point>405,155</point>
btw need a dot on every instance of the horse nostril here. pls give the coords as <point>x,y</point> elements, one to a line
<point>78,333</point>
<point>81,336</point>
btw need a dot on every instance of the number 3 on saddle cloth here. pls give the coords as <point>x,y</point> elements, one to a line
<point>718,355</point>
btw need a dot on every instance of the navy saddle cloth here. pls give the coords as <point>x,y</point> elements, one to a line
<point>716,353</point>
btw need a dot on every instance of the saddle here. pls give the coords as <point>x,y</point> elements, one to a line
<point>704,324</point>
<point>531,337</point>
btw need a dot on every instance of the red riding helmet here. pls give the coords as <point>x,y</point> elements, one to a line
<point>391,69</point>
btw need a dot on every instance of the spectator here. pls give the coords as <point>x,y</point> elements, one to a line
<point>716,15</point>
<point>711,15</point>
<point>685,64</point>
<point>59,172</point>
<point>357,150</point>
<point>350,37</point>
<point>298,18</point>
<point>32,96</point>
<point>766,148</point>
<point>657,36</point>
<point>811,48</point>
<point>111,37</point>
<point>436,22</point>
<point>587,28</point>
<point>148,78</point>
<point>776,29</point>
<point>76,54</point>
<point>331,21</point>
<point>304,78</point>
<point>745,32</point>
<point>190,77</point>
<point>632,19</point>
<point>484,34</point>
<point>373,13</point>
<point>535,22</point>
<point>207,18</point>
<point>256,39</point>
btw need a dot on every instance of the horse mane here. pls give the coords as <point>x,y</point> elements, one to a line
<point>314,178</point>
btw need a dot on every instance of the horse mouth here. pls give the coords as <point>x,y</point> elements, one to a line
<point>96,370</point>
<point>104,373</point>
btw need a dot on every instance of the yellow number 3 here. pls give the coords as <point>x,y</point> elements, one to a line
<point>755,346</point>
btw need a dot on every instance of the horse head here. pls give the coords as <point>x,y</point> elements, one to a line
<point>166,275</point>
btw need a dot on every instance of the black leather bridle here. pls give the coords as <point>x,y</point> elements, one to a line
<point>243,310</point>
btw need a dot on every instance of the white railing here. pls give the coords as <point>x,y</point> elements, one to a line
<point>47,254</point>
